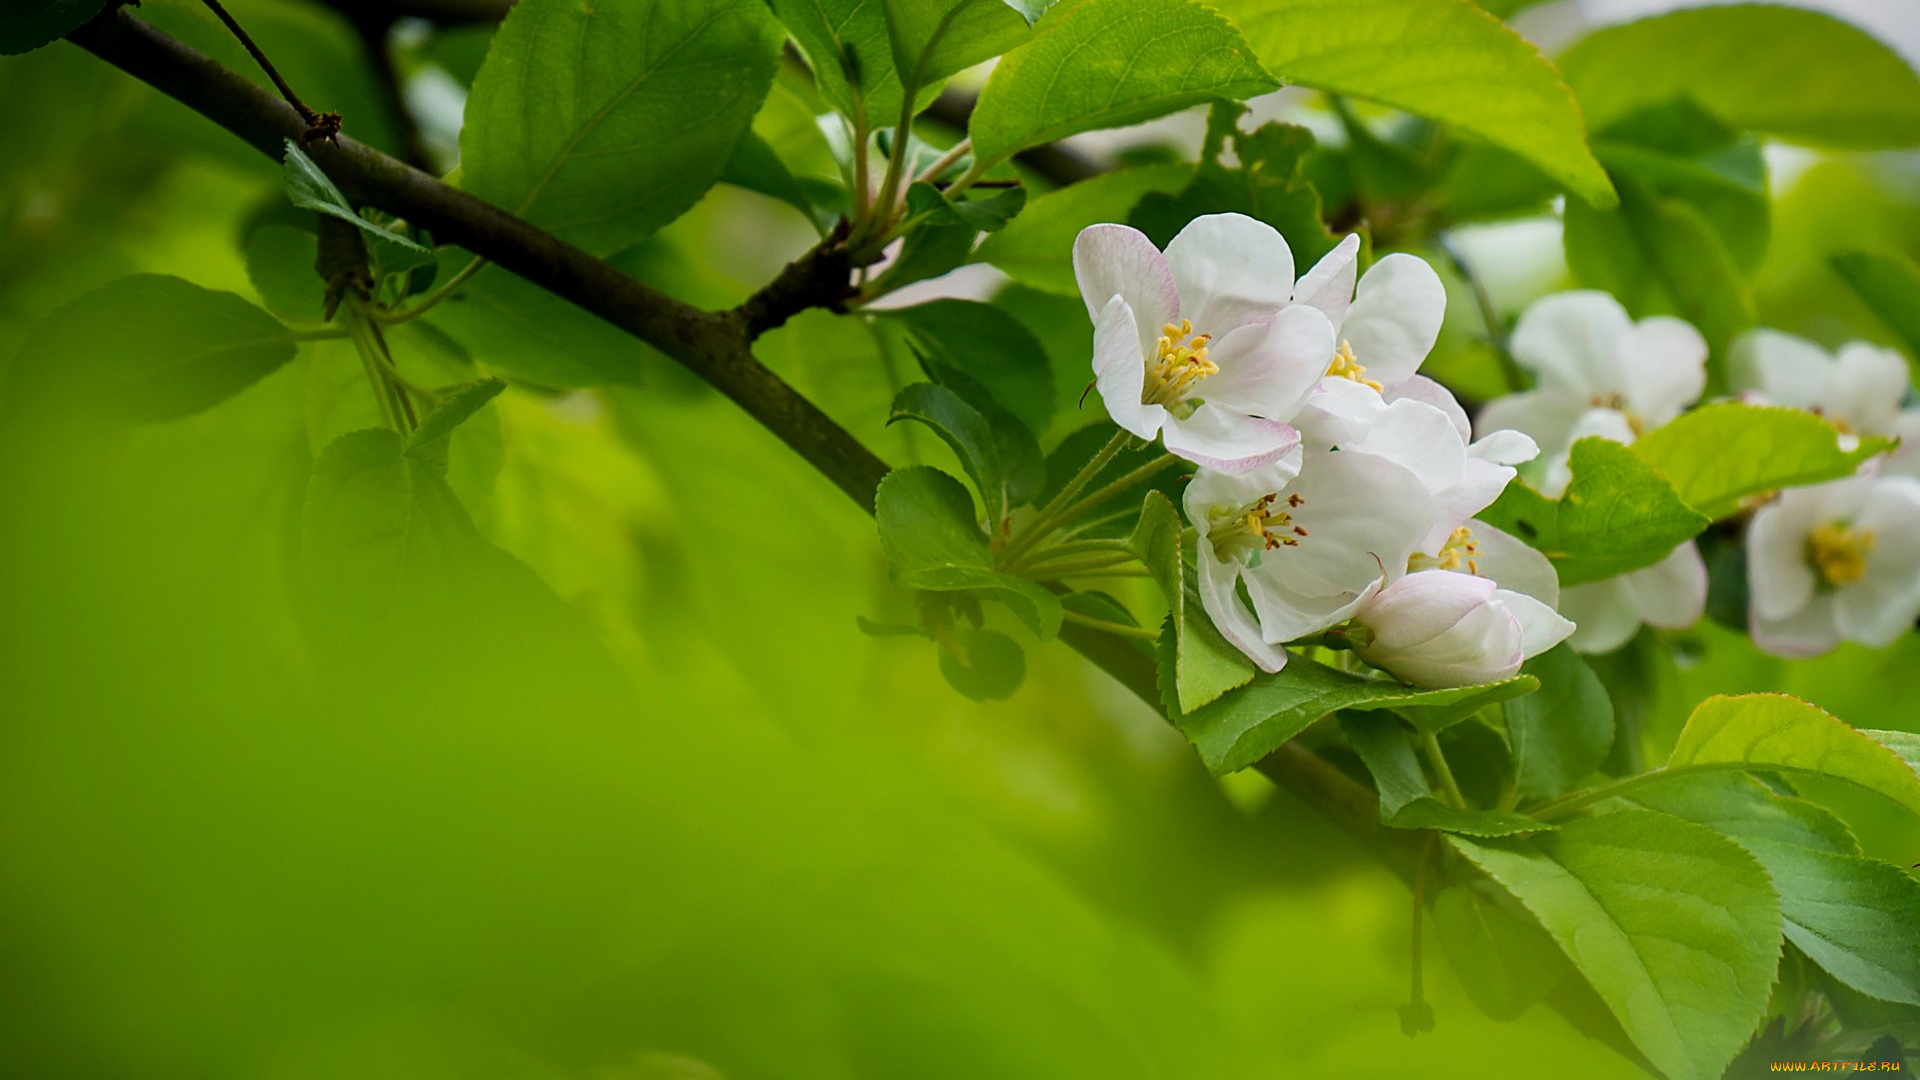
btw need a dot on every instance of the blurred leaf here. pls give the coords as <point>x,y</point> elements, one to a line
<point>430,441</point>
<point>311,189</point>
<point>1266,185</point>
<point>656,98</point>
<point>280,263</point>
<point>1442,59</point>
<point>755,166</point>
<point>1561,734</point>
<point>932,542</point>
<point>1738,207</point>
<point>1890,285</point>
<point>961,427</point>
<point>1407,801</point>
<point>1110,63</point>
<point>1197,665</point>
<point>1717,455</point>
<point>148,348</point>
<point>1247,724</point>
<point>1617,515</point>
<point>1505,962</point>
<point>1643,904</point>
<point>1746,809</point>
<point>987,347</point>
<point>1036,248</point>
<point>33,23</point>
<point>355,526</point>
<point>1728,60</point>
<point>527,333</point>
<point>987,666</point>
<point>1774,732</point>
<point>1858,918</point>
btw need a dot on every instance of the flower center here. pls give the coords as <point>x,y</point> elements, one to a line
<point>1461,549</point>
<point>1250,530</point>
<point>1619,404</point>
<point>1839,552</point>
<point>1344,366</point>
<point>1179,363</point>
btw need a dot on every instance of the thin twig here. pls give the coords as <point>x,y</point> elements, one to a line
<point>316,122</point>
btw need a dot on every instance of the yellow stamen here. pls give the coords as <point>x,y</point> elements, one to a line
<point>1179,362</point>
<point>1344,366</point>
<point>1259,526</point>
<point>1839,552</point>
<point>1461,549</point>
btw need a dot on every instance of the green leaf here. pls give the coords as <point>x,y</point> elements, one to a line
<point>988,347</point>
<point>939,241</point>
<point>1784,734</point>
<point>1675,926</point>
<point>1505,961</point>
<point>984,665</point>
<point>1727,187</point>
<point>1266,185</point>
<point>456,407</point>
<point>355,525</point>
<point>1904,744</point>
<point>851,46</point>
<point>933,542</point>
<point>1729,59</point>
<point>29,24</point>
<point>1442,59</point>
<point>527,333</point>
<point>1561,734</point>
<point>1247,724</point>
<point>961,427</point>
<point>1617,514</point>
<point>148,348</point>
<point>1385,746</point>
<point>1717,455</point>
<point>1890,285</point>
<point>656,96</point>
<point>280,263</point>
<point>755,166</point>
<point>311,189</point>
<point>1036,248</point>
<point>1109,63</point>
<point>932,39</point>
<point>1857,918</point>
<point>1197,664</point>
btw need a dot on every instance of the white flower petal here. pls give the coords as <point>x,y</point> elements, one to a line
<point>1905,458</point>
<point>1868,385</point>
<point>1339,412</point>
<point>1229,441</point>
<point>1480,483</point>
<point>1421,439</point>
<point>1114,260</point>
<point>1120,371</point>
<point>1363,517</point>
<point>1504,447</point>
<point>1810,631</point>
<point>1231,617</point>
<point>1604,613</point>
<point>1395,317</point>
<point>1329,285</point>
<point>1672,593</point>
<point>1422,606</point>
<point>1568,340</point>
<point>1270,367</point>
<point>1662,364</point>
<point>1779,581</point>
<point>1421,388</point>
<point>1515,566</point>
<point>1545,416</point>
<point>1437,628</point>
<point>1541,627</point>
<point>1781,368</point>
<point>1230,269</point>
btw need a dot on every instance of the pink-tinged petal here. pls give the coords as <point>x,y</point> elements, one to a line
<point>1504,447</point>
<point>1868,385</point>
<point>1114,260</point>
<point>1231,617</point>
<point>1395,318</point>
<point>1604,615</point>
<point>1672,593</point>
<point>1422,606</point>
<point>1780,368</point>
<point>1663,368</point>
<point>1568,340</point>
<point>1421,388</point>
<point>1541,627</point>
<point>1289,615</point>
<point>1546,416</point>
<point>1119,371</point>
<point>1329,285</point>
<point>1229,441</point>
<point>1810,631</point>
<point>1230,269</point>
<point>1779,581</point>
<point>1514,565</point>
<point>1270,367</point>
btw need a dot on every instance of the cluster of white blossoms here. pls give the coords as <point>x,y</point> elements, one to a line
<point>1336,487</point>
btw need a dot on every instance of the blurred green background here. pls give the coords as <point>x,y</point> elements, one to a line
<point>654,809</point>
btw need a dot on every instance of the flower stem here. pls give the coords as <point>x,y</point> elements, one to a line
<point>1120,629</point>
<point>1049,516</point>
<point>1119,486</point>
<point>1438,759</point>
<point>1073,567</point>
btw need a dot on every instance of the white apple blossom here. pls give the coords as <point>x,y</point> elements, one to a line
<point>1434,628</point>
<point>1310,548</point>
<point>1601,374</point>
<point>1193,345</point>
<point>1860,389</point>
<point>1835,561</point>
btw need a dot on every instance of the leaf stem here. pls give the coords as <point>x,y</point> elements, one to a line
<point>427,302</point>
<point>1120,629</point>
<point>1496,329</point>
<point>1430,744</point>
<point>1119,486</point>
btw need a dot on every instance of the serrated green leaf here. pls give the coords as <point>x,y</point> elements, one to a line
<point>1617,514</point>
<point>456,407</point>
<point>29,24</point>
<point>1198,665</point>
<point>1505,961</point>
<point>988,347</point>
<point>1890,286</point>
<point>1442,59</point>
<point>1675,926</point>
<point>1109,63</point>
<point>1728,60</point>
<point>963,429</point>
<point>1719,454</point>
<point>851,47</point>
<point>1858,918</point>
<point>148,348</point>
<point>933,542</point>
<point>1385,746</point>
<point>1904,744</point>
<point>1036,249</point>
<point>1746,809</point>
<point>1561,734</point>
<point>939,241</point>
<point>657,96</point>
<point>1247,724</point>
<point>311,189</point>
<point>932,39</point>
<point>1784,734</point>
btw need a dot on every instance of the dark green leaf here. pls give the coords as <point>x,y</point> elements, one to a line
<point>526,333</point>
<point>987,347</point>
<point>1617,514</point>
<point>454,408</point>
<point>932,39</point>
<point>1561,734</point>
<point>1407,800</point>
<point>280,262</point>
<point>30,24</point>
<point>961,427</point>
<point>1036,249</point>
<point>1505,960</point>
<point>983,664</point>
<point>1265,185</point>
<point>1719,454</point>
<point>755,167</point>
<point>932,541</point>
<point>1857,918</point>
<point>311,189</point>
<point>657,95</point>
<point>1890,285</point>
<point>1733,200</point>
<point>939,241</point>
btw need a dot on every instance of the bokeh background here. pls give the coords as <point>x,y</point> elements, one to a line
<point>647,805</point>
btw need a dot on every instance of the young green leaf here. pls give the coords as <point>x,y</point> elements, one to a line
<point>1505,961</point>
<point>1443,59</point>
<point>1247,724</point>
<point>1904,744</point>
<point>1385,746</point>
<point>1036,248</point>
<point>961,427</point>
<point>939,241</point>
<point>311,189</point>
<point>1890,285</point>
<point>657,95</point>
<point>1719,454</point>
<point>1618,514</point>
<point>1561,734</point>
<point>456,407</point>
<point>1197,665</point>
<point>1729,59</point>
<point>1728,187</point>
<point>932,541</point>
<point>755,166</point>
<point>148,348</point>
<point>988,347</point>
<point>29,24</point>
<point>1646,906</point>
<point>1109,63</point>
<point>1784,734</point>
<point>1858,918</point>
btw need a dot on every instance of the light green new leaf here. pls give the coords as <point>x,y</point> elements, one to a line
<point>1729,60</point>
<point>601,122</point>
<point>29,24</point>
<point>1719,454</point>
<point>1904,744</point>
<point>1561,734</point>
<point>989,665</point>
<point>148,347</point>
<point>1442,59</point>
<point>1784,734</point>
<point>1197,665</point>
<point>1407,801</point>
<point>1036,248</point>
<point>1675,926</point>
<point>311,189</point>
<point>1616,515</point>
<point>1247,724</point>
<point>1890,285</point>
<point>1109,63</point>
<point>1505,961</point>
<point>1858,918</point>
<point>933,542</point>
